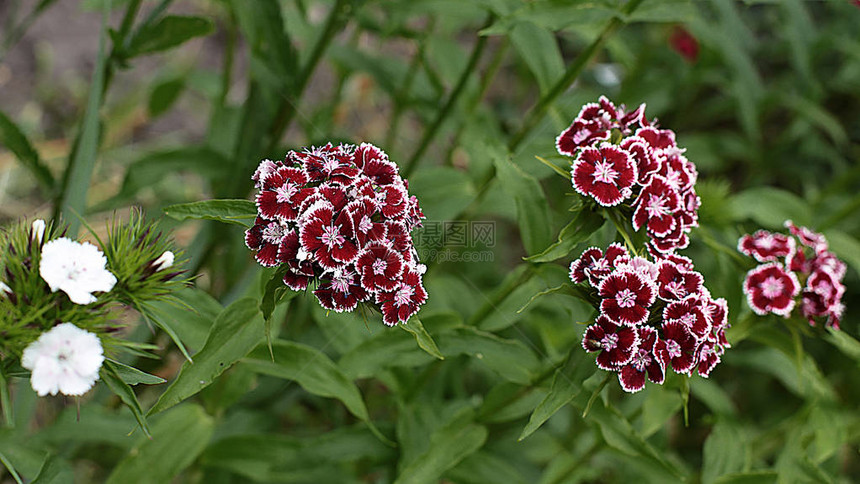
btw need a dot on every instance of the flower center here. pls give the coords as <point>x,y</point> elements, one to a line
<point>676,288</point>
<point>656,206</point>
<point>673,348</point>
<point>365,225</point>
<point>273,233</point>
<point>330,164</point>
<point>772,287</point>
<point>625,298</point>
<point>609,342</point>
<point>604,173</point>
<point>641,360</point>
<point>403,295</point>
<point>285,192</point>
<point>379,267</point>
<point>341,284</point>
<point>687,319</point>
<point>766,242</point>
<point>331,236</point>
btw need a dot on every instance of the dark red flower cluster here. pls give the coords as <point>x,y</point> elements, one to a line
<point>653,316</point>
<point>339,218</point>
<point>792,265</point>
<point>620,156</point>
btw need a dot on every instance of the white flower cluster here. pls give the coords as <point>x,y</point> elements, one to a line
<point>65,359</point>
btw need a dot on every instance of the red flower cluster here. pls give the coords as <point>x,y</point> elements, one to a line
<point>653,316</point>
<point>788,270</point>
<point>620,156</point>
<point>340,217</point>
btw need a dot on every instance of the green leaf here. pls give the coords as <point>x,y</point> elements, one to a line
<point>314,371</point>
<point>125,393</point>
<point>566,384</point>
<point>620,435</point>
<point>164,95</point>
<point>273,294</point>
<point>538,47</point>
<point>771,207</point>
<point>132,376</point>
<point>14,140</point>
<point>238,329</point>
<point>76,184</point>
<point>150,169</point>
<point>384,350</point>
<point>168,32</point>
<point>55,470</point>
<point>239,212</point>
<point>285,458</point>
<point>483,467</point>
<point>726,451</point>
<point>191,316</point>
<point>11,468</point>
<point>444,192</point>
<point>753,477</point>
<point>532,210</point>
<point>845,343</point>
<point>177,439</point>
<point>577,231</point>
<point>511,359</point>
<point>422,337</point>
<point>448,446</point>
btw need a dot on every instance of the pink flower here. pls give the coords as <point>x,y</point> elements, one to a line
<point>626,298</point>
<point>689,312</point>
<point>615,343</point>
<point>770,288</point>
<point>594,266</point>
<point>644,362</point>
<point>342,292</point>
<point>402,302</point>
<point>766,246</point>
<point>329,239</point>
<point>643,155</point>
<point>807,237</point>
<point>656,206</point>
<point>265,237</point>
<point>379,267</point>
<point>679,348</point>
<point>675,284</point>
<point>605,174</point>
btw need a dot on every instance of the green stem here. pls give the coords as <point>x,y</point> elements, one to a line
<point>487,308</point>
<point>443,113</point>
<point>486,80</point>
<point>287,109</point>
<point>5,401</point>
<point>569,77</point>
<point>229,55</point>
<point>401,97</point>
<point>572,73</point>
<point>611,215</point>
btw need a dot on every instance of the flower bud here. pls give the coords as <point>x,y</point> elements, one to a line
<point>165,261</point>
<point>37,231</point>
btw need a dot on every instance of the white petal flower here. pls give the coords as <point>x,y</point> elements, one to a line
<point>38,230</point>
<point>165,261</point>
<point>65,359</point>
<point>4,289</point>
<point>78,269</point>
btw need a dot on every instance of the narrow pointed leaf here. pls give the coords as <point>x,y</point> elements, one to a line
<point>237,330</point>
<point>239,212</point>
<point>425,341</point>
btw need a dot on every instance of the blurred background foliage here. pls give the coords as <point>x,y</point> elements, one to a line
<point>177,101</point>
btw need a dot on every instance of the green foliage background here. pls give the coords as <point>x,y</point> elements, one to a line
<point>462,95</point>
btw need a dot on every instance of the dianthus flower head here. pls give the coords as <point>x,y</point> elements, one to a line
<point>663,303</point>
<point>339,218</point>
<point>771,288</point>
<point>65,359</point>
<point>802,255</point>
<point>76,268</point>
<point>620,156</point>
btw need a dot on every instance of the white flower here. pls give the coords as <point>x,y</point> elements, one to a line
<point>38,230</point>
<point>165,261</point>
<point>66,359</point>
<point>4,289</point>
<point>78,269</point>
